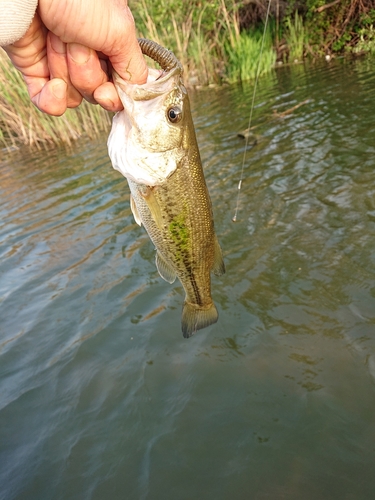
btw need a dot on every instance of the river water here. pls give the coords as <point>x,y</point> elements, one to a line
<point>101,396</point>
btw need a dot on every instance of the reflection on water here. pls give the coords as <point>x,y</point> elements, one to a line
<point>100,396</point>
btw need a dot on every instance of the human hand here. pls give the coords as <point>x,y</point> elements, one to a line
<point>67,53</point>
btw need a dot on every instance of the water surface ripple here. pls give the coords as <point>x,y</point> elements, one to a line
<point>101,397</point>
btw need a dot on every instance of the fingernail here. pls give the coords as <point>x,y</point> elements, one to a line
<point>59,90</point>
<point>79,53</point>
<point>57,45</point>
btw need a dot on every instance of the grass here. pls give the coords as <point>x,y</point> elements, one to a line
<point>243,56</point>
<point>295,35</point>
<point>208,55</point>
<point>208,42</point>
<point>185,36</point>
<point>21,123</point>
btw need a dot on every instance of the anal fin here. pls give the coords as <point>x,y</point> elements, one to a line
<point>165,269</point>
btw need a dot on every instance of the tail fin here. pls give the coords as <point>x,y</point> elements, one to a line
<point>195,317</point>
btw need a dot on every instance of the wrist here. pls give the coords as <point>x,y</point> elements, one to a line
<point>16,17</point>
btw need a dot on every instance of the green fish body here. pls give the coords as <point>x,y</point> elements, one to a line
<point>153,144</point>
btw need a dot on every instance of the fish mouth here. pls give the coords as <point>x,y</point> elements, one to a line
<point>143,145</point>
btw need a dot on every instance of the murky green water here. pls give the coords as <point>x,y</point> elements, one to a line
<point>101,397</point>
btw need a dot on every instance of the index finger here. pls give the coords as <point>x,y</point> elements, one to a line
<point>127,58</point>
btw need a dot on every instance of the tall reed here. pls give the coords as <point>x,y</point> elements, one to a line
<point>21,123</point>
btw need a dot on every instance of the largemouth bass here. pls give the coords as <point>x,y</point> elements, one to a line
<point>153,144</point>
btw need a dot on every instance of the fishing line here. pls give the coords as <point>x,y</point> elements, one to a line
<point>251,112</point>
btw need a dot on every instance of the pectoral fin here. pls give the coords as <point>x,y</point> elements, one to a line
<point>219,266</point>
<point>134,210</point>
<point>165,269</point>
<point>153,206</point>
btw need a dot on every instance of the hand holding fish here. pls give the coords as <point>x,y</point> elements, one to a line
<point>64,56</point>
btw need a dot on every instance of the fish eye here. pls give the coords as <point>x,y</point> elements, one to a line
<point>174,114</point>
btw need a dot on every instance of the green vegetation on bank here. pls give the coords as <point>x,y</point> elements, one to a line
<point>217,42</point>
